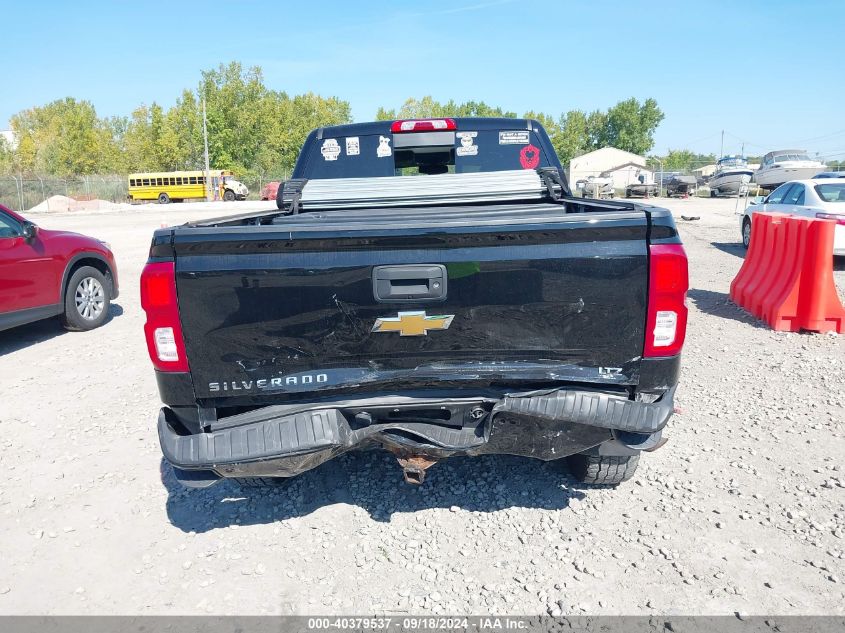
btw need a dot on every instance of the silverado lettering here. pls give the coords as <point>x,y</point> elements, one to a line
<point>461,299</point>
<point>268,383</point>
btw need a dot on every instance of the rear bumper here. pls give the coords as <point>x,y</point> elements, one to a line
<point>287,440</point>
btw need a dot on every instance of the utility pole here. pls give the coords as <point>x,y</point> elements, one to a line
<point>205,143</point>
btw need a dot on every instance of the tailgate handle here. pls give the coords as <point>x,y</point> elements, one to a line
<point>415,282</point>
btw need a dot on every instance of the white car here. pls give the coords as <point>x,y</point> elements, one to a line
<point>814,198</point>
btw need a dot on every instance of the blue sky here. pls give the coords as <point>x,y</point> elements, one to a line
<point>769,73</point>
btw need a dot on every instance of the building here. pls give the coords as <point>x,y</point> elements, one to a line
<point>9,137</point>
<point>624,167</point>
<point>704,172</point>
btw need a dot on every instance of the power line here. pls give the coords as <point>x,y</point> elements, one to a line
<point>703,138</point>
<point>819,138</point>
<point>742,140</point>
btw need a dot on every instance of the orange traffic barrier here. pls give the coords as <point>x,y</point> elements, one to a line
<point>819,308</point>
<point>779,308</point>
<point>756,260</point>
<point>752,257</point>
<point>787,276</point>
<point>769,271</point>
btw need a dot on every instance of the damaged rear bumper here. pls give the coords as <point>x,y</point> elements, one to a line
<point>286,440</point>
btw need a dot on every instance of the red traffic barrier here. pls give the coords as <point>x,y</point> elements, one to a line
<point>786,279</point>
<point>758,250</point>
<point>819,308</point>
<point>779,307</point>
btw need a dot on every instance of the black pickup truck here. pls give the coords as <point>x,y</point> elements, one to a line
<point>428,287</point>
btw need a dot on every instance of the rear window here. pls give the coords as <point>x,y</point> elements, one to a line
<point>833,192</point>
<point>423,153</point>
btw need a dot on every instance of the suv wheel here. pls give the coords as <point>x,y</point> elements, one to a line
<point>603,469</point>
<point>746,232</point>
<point>87,300</point>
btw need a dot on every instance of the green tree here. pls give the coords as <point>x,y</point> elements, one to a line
<point>63,137</point>
<point>427,107</point>
<point>182,133</point>
<point>685,160</point>
<point>140,141</point>
<point>678,159</point>
<point>251,129</point>
<point>629,125</point>
<point>7,156</point>
<point>574,138</point>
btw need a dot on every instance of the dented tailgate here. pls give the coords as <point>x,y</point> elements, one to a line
<point>413,300</point>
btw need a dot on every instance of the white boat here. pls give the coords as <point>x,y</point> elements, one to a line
<point>783,165</point>
<point>597,187</point>
<point>731,178</point>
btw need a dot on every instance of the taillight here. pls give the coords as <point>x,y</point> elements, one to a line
<point>840,219</point>
<point>668,282</point>
<point>162,329</point>
<point>423,125</point>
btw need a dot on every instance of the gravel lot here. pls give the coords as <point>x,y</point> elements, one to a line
<point>743,510</point>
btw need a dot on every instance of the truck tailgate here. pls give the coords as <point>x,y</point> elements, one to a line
<point>531,295</point>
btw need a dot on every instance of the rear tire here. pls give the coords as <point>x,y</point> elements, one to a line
<point>87,300</point>
<point>605,470</point>
<point>163,198</point>
<point>746,232</point>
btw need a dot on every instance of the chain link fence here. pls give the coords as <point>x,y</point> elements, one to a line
<point>22,192</point>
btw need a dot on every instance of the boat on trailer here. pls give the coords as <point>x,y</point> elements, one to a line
<point>732,177</point>
<point>784,165</point>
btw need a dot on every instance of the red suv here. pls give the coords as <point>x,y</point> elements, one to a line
<point>269,191</point>
<point>53,273</point>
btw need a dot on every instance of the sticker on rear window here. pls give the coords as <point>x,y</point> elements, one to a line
<point>467,148</point>
<point>353,146</point>
<point>330,149</point>
<point>513,138</point>
<point>529,157</point>
<point>383,149</point>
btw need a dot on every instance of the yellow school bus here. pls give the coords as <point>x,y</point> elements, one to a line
<point>177,186</point>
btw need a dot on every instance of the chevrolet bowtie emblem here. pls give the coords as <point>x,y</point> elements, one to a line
<point>413,323</point>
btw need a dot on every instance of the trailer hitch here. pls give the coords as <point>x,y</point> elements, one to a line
<point>414,467</point>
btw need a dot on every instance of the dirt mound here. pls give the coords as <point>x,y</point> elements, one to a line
<point>59,203</point>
